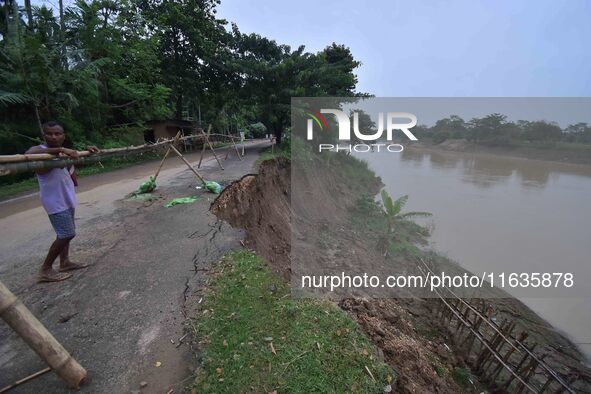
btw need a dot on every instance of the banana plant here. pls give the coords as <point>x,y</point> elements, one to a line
<point>392,211</point>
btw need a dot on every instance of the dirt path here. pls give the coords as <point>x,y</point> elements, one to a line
<point>120,316</point>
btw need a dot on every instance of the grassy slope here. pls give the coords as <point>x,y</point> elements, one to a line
<point>318,347</point>
<point>278,151</point>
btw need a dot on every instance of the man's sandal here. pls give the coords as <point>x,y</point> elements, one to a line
<point>58,277</point>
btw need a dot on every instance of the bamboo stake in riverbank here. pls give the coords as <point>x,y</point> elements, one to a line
<point>501,359</point>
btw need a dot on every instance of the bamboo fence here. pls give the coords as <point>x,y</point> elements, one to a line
<point>495,352</point>
<point>14,164</point>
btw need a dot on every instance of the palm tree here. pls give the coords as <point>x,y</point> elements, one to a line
<point>392,211</point>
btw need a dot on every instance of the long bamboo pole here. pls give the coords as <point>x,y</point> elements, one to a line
<point>22,321</point>
<point>27,166</point>
<point>84,153</point>
<point>14,164</point>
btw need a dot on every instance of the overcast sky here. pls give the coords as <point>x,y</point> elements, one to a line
<point>440,48</point>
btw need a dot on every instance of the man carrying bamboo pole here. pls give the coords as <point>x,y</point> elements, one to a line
<point>58,197</point>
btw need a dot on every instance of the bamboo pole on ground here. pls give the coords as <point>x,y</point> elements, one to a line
<point>22,321</point>
<point>188,164</point>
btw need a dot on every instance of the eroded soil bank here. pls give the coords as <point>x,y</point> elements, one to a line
<point>419,348</point>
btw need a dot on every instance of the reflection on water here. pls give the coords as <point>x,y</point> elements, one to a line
<point>412,156</point>
<point>502,214</point>
<point>486,171</point>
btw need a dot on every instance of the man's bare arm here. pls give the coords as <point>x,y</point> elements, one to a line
<point>52,151</point>
<point>37,150</point>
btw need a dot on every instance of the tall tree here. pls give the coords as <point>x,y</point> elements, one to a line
<point>273,74</point>
<point>29,14</point>
<point>189,38</point>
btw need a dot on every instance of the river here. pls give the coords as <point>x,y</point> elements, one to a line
<point>493,213</point>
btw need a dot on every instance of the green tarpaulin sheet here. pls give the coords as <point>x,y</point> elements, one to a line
<point>213,187</point>
<point>181,200</point>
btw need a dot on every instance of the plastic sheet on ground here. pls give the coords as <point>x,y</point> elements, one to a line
<point>146,187</point>
<point>181,200</point>
<point>213,187</point>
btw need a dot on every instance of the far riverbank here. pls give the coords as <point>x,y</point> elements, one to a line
<point>557,152</point>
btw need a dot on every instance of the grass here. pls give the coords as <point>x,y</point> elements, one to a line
<point>278,151</point>
<point>440,371</point>
<point>461,376</point>
<point>12,189</point>
<point>318,347</point>
<point>367,218</point>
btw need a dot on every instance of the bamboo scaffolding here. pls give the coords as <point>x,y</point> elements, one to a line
<point>482,340</point>
<point>22,321</point>
<point>518,368</point>
<point>507,355</point>
<point>489,355</point>
<point>519,346</point>
<point>489,362</point>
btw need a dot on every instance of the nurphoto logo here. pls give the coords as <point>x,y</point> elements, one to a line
<point>344,125</point>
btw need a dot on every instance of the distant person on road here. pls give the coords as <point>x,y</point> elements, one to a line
<point>58,197</point>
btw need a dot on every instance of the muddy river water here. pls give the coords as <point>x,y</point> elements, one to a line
<point>500,214</point>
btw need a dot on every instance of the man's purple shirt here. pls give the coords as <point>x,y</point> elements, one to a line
<point>56,190</point>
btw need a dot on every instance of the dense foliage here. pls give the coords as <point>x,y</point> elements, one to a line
<point>106,68</point>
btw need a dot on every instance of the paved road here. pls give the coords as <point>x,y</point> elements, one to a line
<point>118,317</point>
